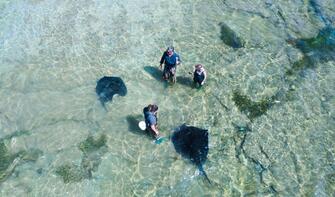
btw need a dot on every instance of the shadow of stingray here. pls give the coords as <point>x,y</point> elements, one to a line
<point>154,72</point>
<point>186,81</point>
<point>133,125</point>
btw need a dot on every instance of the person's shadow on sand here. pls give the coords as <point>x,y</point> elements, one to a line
<point>133,125</point>
<point>186,81</point>
<point>155,72</point>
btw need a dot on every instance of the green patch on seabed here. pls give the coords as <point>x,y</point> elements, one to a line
<point>92,150</point>
<point>230,38</point>
<point>9,161</point>
<point>319,48</point>
<point>324,41</point>
<point>5,160</point>
<point>251,108</point>
<point>91,144</point>
<point>300,65</point>
<point>71,173</point>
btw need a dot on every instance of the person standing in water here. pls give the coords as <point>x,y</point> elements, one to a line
<point>199,75</point>
<point>150,117</point>
<point>170,59</point>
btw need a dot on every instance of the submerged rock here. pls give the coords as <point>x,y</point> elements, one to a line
<point>229,37</point>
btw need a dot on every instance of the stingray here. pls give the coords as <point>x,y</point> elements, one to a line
<point>192,143</point>
<point>107,87</point>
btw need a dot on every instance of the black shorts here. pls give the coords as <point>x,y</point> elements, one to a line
<point>198,78</point>
<point>169,71</point>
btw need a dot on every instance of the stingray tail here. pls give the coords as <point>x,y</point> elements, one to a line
<point>203,173</point>
<point>103,104</point>
<point>103,99</point>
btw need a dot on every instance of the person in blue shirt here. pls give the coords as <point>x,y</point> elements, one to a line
<point>170,59</point>
<point>150,117</point>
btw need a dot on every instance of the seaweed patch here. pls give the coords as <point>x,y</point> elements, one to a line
<point>8,161</point>
<point>251,108</point>
<point>92,149</point>
<point>91,144</point>
<point>300,65</point>
<point>5,160</point>
<point>71,173</point>
<point>319,48</point>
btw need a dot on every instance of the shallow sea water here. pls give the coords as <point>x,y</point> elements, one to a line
<point>53,52</point>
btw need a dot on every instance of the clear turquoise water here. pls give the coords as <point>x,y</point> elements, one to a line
<point>53,52</point>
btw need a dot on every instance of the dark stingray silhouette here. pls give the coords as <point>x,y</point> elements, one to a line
<point>192,143</point>
<point>107,87</point>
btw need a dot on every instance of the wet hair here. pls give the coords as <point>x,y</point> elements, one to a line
<point>152,108</point>
<point>170,48</point>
